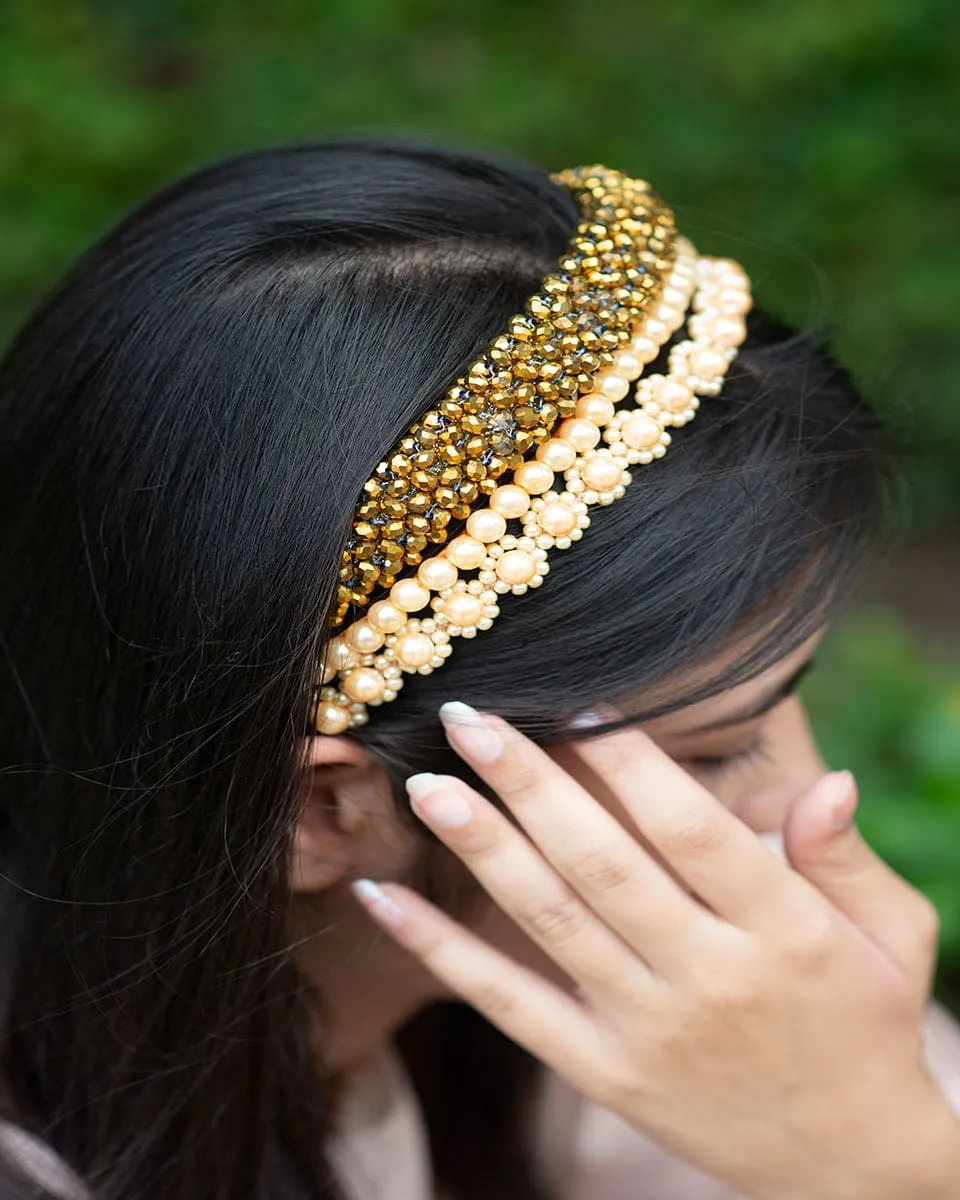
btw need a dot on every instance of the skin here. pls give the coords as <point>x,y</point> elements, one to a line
<point>606,971</point>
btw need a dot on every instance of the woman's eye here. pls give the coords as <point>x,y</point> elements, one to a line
<point>719,764</point>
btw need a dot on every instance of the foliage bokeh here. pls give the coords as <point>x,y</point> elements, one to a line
<point>813,141</point>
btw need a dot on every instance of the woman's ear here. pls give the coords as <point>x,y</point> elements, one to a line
<point>340,772</point>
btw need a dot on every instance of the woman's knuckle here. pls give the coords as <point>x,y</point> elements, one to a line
<point>556,922</point>
<point>811,942</point>
<point>600,871</point>
<point>694,839</point>
<point>521,783</point>
<point>494,997</point>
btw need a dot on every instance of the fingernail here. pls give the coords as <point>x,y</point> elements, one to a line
<point>469,732</point>
<point>377,903</point>
<point>839,794</point>
<point>437,803</point>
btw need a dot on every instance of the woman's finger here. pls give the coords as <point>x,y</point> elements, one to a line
<point>715,855</point>
<point>553,1026</point>
<point>824,845</point>
<point>604,863</point>
<point>527,888</point>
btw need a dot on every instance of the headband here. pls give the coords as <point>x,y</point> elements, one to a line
<point>527,440</point>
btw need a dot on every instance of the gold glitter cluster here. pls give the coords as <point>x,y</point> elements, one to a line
<point>510,399</point>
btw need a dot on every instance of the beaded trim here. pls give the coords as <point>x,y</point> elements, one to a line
<point>366,665</point>
<point>510,399</point>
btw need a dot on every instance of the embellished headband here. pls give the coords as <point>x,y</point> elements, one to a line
<point>529,437</point>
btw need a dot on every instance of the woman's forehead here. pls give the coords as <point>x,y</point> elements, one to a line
<point>726,705</point>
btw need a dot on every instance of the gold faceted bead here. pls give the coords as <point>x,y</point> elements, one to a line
<point>424,481</point>
<point>526,417</point>
<point>474,470</point>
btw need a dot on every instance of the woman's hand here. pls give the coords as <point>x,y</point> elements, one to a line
<point>760,1022</point>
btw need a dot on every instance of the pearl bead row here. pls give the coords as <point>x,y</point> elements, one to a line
<point>373,654</point>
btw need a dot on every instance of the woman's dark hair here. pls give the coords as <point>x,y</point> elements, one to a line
<point>187,422</point>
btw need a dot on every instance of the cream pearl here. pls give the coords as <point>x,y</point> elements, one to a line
<point>670,314</point>
<point>534,477</point>
<point>733,303</point>
<point>674,394</point>
<point>601,473</point>
<point>557,454</point>
<point>364,638</point>
<point>466,552</point>
<point>580,433</point>
<point>707,363</point>
<point>437,574</point>
<point>339,655</point>
<point>414,650</point>
<point>510,501</point>
<point>641,432</point>
<point>557,518</point>
<point>463,609</point>
<point>386,616</point>
<point>728,331</point>
<point>613,385</point>
<point>645,348</point>
<point>331,718</point>
<point>516,567</point>
<point>629,365</point>
<point>409,595</point>
<point>364,684</point>
<point>486,525</point>
<point>595,408</point>
<point>674,296</point>
<point>656,329</point>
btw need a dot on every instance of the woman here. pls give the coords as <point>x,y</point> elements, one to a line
<point>194,1004</point>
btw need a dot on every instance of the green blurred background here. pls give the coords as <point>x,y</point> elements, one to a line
<point>813,140</point>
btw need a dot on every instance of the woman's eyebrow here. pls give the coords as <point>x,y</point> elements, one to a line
<point>762,706</point>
